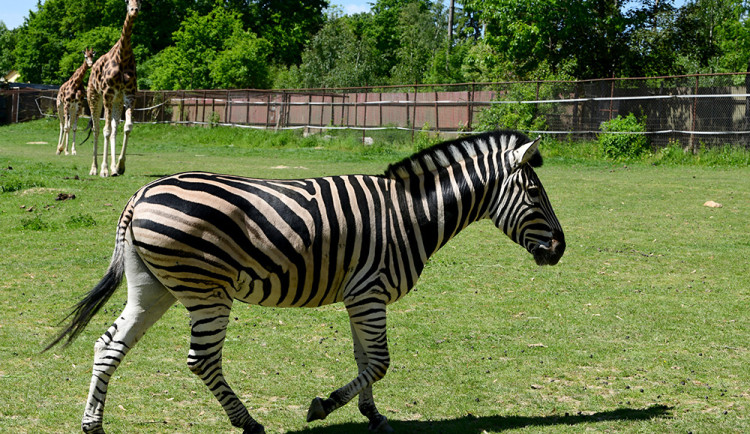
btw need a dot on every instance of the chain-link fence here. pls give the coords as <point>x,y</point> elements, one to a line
<point>693,109</point>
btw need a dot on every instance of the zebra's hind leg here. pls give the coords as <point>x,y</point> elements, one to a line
<point>147,301</point>
<point>367,318</point>
<point>208,329</point>
<point>378,422</point>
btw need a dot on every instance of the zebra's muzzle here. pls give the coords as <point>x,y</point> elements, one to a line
<point>550,253</point>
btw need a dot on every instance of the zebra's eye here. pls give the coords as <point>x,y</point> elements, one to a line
<point>533,192</point>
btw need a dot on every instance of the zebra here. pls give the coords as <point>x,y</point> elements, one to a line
<point>208,239</point>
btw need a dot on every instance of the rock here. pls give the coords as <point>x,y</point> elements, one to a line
<point>712,204</point>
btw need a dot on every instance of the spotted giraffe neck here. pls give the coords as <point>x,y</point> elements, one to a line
<point>80,72</point>
<point>127,31</point>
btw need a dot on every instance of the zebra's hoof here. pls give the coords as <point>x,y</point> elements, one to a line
<point>316,410</point>
<point>92,428</point>
<point>254,428</point>
<point>379,424</point>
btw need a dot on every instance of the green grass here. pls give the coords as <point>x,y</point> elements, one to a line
<point>642,327</point>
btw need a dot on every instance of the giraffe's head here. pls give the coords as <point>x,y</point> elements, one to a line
<point>88,55</point>
<point>133,7</point>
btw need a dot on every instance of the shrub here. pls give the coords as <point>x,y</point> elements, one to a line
<point>515,115</point>
<point>35,223</point>
<point>81,221</point>
<point>618,146</point>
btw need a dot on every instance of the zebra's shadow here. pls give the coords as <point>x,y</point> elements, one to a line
<point>474,424</point>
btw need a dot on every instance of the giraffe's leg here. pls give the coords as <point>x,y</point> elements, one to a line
<point>126,129</point>
<point>61,117</point>
<point>74,108</point>
<point>147,301</point>
<point>114,119</point>
<point>104,172</point>
<point>208,329</point>
<point>95,104</point>
<point>367,318</point>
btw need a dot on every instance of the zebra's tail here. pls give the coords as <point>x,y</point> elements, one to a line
<point>89,127</point>
<point>85,309</point>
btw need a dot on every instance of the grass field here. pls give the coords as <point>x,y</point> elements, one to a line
<point>642,327</point>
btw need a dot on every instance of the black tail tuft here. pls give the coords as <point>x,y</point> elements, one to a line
<point>85,309</point>
<point>89,127</point>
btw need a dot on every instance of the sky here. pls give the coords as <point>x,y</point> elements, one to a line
<point>13,12</point>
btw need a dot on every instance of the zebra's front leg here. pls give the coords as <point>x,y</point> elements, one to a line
<point>208,329</point>
<point>367,318</point>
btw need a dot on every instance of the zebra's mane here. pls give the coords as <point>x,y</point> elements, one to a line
<point>454,151</point>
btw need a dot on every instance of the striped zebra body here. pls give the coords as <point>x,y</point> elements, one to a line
<point>207,239</point>
<point>282,243</point>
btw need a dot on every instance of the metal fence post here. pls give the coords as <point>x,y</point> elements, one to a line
<point>247,109</point>
<point>437,115</point>
<point>364,121</point>
<point>693,146</point>
<point>414,111</point>
<point>470,108</point>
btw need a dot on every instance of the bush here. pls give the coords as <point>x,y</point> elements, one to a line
<point>515,115</point>
<point>618,146</point>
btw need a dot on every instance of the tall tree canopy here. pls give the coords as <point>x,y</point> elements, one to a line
<point>301,43</point>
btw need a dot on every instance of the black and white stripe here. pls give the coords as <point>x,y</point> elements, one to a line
<point>207,239</point>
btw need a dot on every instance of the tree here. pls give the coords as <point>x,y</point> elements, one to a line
<point>206,41</point>
<point>341,54</point>
<point>243,63</point>
<point>653,38</point>
<point>39,45</point>
<point>585,38</point>
<point>288,25</point>
<point>421,33</point>
<point>7,46</point>
<point>733,39</point>
<point>700,25</point>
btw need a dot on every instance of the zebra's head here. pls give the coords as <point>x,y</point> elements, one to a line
<point>522,209</point>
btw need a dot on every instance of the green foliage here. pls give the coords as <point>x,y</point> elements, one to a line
<point>7,46</point>
<point>184,44</point>
<point>341,54</point>
<point>100,39</point>
<point>618,146</point>
<point>511,113</point>
<point>421,35</point>
<point>200,38</point>
<point>715,156</point>
<point>211,51</point>
<point>35,223</point>
<point>80,221</point>
<point>288,25</point>
<point>15,180</point>
<point>243,63</point>
<point>424,138</point>
<point>39,45</point>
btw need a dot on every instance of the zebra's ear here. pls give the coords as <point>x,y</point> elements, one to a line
<point>525,153</point>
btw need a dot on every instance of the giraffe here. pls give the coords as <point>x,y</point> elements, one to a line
<point>112,84</point>
<point>70,101</point>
